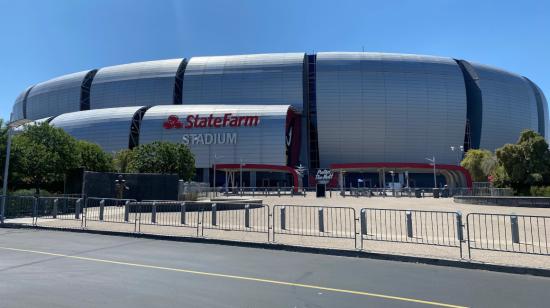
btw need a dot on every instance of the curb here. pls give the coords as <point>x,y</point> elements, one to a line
<point>312,250</point>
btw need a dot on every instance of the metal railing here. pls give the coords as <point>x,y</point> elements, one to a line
<point>109,210</point>
<point>508,233</point>
<point>314,221</point>
<point>437,228</point>
<point>494,232</point>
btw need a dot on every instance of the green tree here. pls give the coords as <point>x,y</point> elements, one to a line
<point>164,157</point>
<point>480,164</point>
<point>3,143</point>
<point>123,160</point>
<point>526,163</point>
<point>42,154</point>
<point>92,157</point>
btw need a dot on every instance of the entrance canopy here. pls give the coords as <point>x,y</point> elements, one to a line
<point>260,168</point>
<point>455,176</point>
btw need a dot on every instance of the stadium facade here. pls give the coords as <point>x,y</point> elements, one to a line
<point>361,114</point>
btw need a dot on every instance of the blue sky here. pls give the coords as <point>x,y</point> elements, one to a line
<point>44,39</point>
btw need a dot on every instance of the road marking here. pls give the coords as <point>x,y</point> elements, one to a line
<point>267,281</point>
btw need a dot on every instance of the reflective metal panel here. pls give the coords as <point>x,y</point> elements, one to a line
<point>109,127</point>
<point>17,110</point>
<point>509,106</point>
<point>375,107</point>
<point>135,84</point>
<point>270,79</point>
<point>55,96</point>
<point>263,143</point>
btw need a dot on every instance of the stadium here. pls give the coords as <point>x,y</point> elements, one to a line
<point>372,118</point>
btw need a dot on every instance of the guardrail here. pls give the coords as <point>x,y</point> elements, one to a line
<point>438,228</point>
<point>493,232</point>
<point>508,233</point>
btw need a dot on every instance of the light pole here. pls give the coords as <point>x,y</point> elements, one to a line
<point>432,162</point>
<point>11,126</point>
<point>241,175</point>
<point>392,183</point>
<point>459,149</point>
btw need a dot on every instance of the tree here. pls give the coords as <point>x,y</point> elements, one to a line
<point>122,161</point>
<point>480,164</point>
<point>526,163</point>
<point>92,157</point>
<point>42,154</point>
<point>164,157</point>
<point>3,143</point>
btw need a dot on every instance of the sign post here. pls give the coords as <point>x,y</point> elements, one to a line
<point>322,177</point>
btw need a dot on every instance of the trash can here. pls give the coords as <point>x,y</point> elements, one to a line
<point>436,192</point>
<point>418,193</point>
<point>445,193</point>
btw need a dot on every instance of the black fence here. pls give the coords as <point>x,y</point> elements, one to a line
<point>437,228</point>
<point>509,233</point>
<point>481,231</point>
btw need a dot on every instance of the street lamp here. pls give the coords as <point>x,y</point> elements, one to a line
<point>241,175</point>
<point>11,126</point>
<point>432,162</point>
<point>392,183</point>
<point>459,149</point>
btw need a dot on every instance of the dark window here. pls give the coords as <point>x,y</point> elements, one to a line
<point>178,86</point>
<point>85,90</point>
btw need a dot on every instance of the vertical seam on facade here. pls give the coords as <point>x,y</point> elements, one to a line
<point>540,108</point>
<point>178,83</point>
<point>85,90</point>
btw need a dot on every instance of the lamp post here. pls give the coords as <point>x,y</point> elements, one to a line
<point>432,162</point>
<point>11,126</point>
<point>392,183</point>
<point>459,150</point>
<point>241,175</point>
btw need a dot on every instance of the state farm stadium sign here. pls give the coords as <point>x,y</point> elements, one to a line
<point>211,121</point>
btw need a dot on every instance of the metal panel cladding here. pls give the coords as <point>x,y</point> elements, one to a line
<point>270,79</point>
<point>109,127</point>
<point>135,84</point>
<point>263,143</point>
<point>509,106</point>
<point>378,107</point>
<point>17,110</point>
<point>55,96</point>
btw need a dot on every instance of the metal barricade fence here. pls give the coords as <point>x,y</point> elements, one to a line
<point>109,210</point>
<point>437,228</point>
<point>66,208</point>
<point>508,233</point>
<point>236,217</point>
<point>324,221</point>
<point>17,207</point>
<point>167,214</point>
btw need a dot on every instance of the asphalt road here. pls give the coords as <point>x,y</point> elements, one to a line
<point>41,268</point>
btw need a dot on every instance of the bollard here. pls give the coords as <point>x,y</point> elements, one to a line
<point>363,217</point>
<point>409,224</point>
<point>292,191</point>
<point>214,214</point>
<point>247,216</point>
<point>127,210</point>
<point>54,210</point>
<point>154,213</point>
<point>459,231</point>
<point>283,218</point>
<point>77,208</point>
<point>182,213</point>
<point>253,191</point>
<point>321,220</point>
<point>278,192</point>
<point>515,229</point>
<point>101,209</point>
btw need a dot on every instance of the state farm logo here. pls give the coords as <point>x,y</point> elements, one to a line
<point>197,121</point>
<point>172,122</point>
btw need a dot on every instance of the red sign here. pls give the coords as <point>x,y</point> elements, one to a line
<point>197,121</point>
